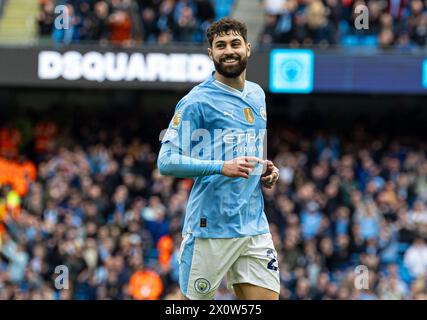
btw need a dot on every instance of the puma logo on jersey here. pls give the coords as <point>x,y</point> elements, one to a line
<point>229,114</point>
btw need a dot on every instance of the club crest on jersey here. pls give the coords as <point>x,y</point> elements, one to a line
<point>263,113</point>
<point>202,285</point>
<point>249,115</point>
<point>176,120</point>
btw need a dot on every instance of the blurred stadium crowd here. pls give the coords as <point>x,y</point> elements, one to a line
<point>399,24</point>
<point>96,203</point>
<point>127,22</point>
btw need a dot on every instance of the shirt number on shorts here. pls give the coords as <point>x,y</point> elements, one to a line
<point>272,256</point>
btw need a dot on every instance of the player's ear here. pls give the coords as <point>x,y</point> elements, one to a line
<point>249,47</point>
<point>210,53</point>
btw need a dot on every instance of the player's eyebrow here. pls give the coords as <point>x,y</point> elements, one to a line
<point>234,41</point>
<point>219,42</point>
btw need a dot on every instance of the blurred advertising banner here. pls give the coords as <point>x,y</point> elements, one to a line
<point>92,67</point>
<point>277,70</point>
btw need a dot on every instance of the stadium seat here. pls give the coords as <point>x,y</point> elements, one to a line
<point>350,40</point>
<point>223,8</point>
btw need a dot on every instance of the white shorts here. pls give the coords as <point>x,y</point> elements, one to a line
<point>204,262</point>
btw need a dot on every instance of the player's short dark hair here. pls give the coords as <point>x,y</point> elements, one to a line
<point>225,26</point>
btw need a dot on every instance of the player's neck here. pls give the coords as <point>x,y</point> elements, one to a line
<point>236,83</point>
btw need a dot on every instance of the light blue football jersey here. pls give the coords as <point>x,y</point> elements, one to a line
<point>213,123</point>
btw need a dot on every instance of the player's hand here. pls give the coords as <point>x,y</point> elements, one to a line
<point>240,167</point>
<point>270,176</point>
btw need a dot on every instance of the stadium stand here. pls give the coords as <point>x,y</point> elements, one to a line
<point>17,25</point>
<point>329,23</point>
<point>401,24</point>
<point>126,22</point>
<point>2,2</point>
<point>99,206</point>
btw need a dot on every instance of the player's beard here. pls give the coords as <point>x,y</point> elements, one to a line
<point>231,71</point>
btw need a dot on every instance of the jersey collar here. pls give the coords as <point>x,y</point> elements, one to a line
<point>223,86</point>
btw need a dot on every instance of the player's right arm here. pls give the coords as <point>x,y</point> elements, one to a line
<point>174,161</point>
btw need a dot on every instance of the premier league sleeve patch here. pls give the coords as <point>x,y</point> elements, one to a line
<point>249,116</point>
<point>176,120</point>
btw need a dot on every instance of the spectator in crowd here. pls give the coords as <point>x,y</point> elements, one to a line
<point>185,26</point>
<point>98,23</point>
<point>120,27</point>
<point>45,18</point>
<point>274,7</point>
<point>416,258</point>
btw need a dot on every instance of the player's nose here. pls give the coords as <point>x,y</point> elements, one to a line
<point>228,50</point>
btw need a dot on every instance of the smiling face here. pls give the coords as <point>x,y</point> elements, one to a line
<point>229,52</point>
